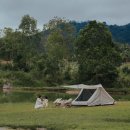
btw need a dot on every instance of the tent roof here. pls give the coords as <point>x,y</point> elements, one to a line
<point>83,86</point>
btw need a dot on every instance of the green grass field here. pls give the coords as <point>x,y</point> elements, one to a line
<point>113,117</point>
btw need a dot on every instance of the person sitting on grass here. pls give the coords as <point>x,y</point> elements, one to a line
<point>39,103</point>
<point>45,101</point>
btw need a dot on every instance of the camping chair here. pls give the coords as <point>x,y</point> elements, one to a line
<point>57,102</point>
<point>66,103</point>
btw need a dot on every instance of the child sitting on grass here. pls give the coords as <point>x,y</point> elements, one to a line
<point>39,103</point>
<point>45,101</point>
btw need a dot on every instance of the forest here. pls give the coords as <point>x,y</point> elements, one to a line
<point>63,53</point>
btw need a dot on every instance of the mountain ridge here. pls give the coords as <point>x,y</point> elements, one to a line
<point>120,33</point>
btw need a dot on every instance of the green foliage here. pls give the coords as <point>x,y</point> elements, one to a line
<point>65,32</point>
<point>96,54</point>
<point>28,25</point>
<point>5,76</point>
<point>22,78</point>
<point>58,48</point>
<point>19,96</point>
<point>124,50</point>
<point>55,46</point>
<point>6,44</point>
<point>7,66</point>
<point>69,71</point>
<point>126,70</point>
<point>120,33</point>
<point>29,57</point>
<point>1,83</point>
<point>124,75</point>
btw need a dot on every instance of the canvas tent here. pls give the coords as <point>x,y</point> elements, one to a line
<point>91,95</point>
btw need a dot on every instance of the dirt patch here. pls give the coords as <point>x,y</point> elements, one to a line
<point>72,92</point>
<point>4,62</point>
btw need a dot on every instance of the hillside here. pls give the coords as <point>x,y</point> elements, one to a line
<point>59,54</point>
<point>119,33</point>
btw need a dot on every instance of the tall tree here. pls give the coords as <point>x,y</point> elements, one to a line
<point>96,54</point>
<point>31,40</point>
<point>59,45</point>
<point>65,29</point>
<point>28,25</point>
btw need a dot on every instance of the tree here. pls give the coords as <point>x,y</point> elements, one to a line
<point>63,28</point>
<point>96,55</point>
<point>9,43</point>
<point>31,42</point>
<point>6,44</point>
<point>124,50</point>
<point>28,25</point>
<point>59,48</point>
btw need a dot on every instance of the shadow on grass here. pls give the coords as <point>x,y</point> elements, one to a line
<point>117,120</point>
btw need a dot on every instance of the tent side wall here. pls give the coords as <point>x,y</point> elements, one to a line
<point>101,97</point>
<point>95,99</point>
<point>106,99</point>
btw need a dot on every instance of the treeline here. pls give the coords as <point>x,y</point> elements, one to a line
<point>59,55</point>
<point>119,33</point>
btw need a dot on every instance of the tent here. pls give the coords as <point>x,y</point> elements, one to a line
<point>91,95</point>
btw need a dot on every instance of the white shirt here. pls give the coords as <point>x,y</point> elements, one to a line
<point>39,103</point>
<point>46,102</point>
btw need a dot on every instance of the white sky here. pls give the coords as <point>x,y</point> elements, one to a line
<point>110,11</point>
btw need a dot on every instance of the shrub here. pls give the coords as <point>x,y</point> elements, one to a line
<point>1,83</point>
<point>126,70</point>
<point>24,79</point>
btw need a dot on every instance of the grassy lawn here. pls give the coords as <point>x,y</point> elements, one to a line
<point>116,117</point>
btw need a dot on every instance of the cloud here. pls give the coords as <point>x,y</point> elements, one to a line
<point>111,11</point>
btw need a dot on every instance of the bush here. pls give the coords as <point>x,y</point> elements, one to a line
<point>1,83</point>
<point>23,79</point>
<point>69,71</point>
<point>126,70</point>
<point>6,66</point>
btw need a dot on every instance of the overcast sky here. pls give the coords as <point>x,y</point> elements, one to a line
<point>111,11</point>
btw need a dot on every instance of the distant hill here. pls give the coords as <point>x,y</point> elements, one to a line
<point>119,33</point>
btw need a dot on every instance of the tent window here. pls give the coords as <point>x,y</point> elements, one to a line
<point>86,94</point>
